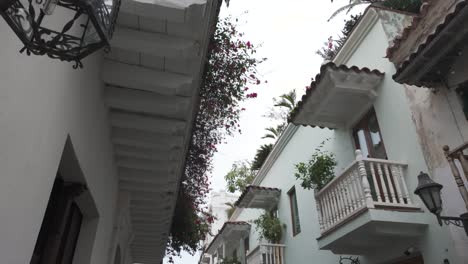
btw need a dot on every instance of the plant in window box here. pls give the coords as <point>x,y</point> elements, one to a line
<point>230,261</point>
<point>318,171</point>
<point>269,227</point>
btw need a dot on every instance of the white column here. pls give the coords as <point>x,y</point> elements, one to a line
<point>364,180</point>
<point>241,251</point>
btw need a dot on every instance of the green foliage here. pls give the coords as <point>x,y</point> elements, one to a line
<point>282,106</point>
<point>332,47</point>
<point>188,227</point>
<point>230,210</point>
<point>318,171</point>
<point>402,5</point>
<point>287,100</point>
<point>230,261</point>
<point>411,6</point>
<point>269,227</point>
<point>239,177</point>
<point>261,156</point>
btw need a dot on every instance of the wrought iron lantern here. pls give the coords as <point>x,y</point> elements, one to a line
<point>68,30</point>
<point>429,192</point>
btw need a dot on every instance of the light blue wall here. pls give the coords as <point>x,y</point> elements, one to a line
<point>303,247</point>
<point>401,142</point>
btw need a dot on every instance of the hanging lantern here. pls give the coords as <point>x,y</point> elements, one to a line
<point>68,30</point>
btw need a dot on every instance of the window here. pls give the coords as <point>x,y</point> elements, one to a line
<point>367,137</point>
<point>274,212</point>
<point>61,226</point>
<point>296,225</point>
<point>247,244</point>
<point>462,92</point>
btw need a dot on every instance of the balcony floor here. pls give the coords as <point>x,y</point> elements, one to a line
<point>371,229</point>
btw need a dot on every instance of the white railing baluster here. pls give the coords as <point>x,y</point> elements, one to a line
<point>339,196</point>
<point>364,180</point>
<point>344,189</point>
<point>376,184</point>
<point>390,183</point>
<point>326,206</point>
<point>336,210</point>
<point>350,192</point>
<point>396,180</point>
<point>332,207</point>
<point>403,185</point>
<point>362,198</point>
<point>319,213</point>
<point>382,182</point>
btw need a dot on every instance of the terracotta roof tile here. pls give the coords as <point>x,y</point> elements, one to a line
<point>222,229</point>
<point>426,13</point>
<point>254,187</point>
<point>439,28</point>
<point>317,80</point>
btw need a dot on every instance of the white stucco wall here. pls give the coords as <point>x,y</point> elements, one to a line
<point>42,102</point>
<point>218,209</point>
<point>303,247</point>
<point>403,143</point>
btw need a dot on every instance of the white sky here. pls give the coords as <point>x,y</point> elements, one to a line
<point>290,32</point>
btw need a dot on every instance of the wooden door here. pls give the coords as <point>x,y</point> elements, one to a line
<point>413,260</point>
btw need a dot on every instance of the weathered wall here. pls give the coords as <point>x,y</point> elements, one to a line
<point>402,142</point>
<point>303,247</point>
<point>42,102</point>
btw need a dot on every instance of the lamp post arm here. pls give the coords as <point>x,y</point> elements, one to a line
<point>461,221</point>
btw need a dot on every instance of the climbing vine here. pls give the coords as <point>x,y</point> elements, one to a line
<point>229,77</point>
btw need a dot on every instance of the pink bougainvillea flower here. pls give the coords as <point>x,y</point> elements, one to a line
<point>258,81</point>
<point>330,42</point>
<point>252,95</point>
<point>248,44</point>
<point>242,109</point>
<point>246,88</point>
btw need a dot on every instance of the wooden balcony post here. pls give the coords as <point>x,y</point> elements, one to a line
<point>365,181</point>
<point>456,175</point>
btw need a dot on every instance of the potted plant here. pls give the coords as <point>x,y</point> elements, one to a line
<point>269,227</point>
<point>230,261</point>
<point>318,171</point>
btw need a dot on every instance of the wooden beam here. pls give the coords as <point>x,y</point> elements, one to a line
<point>156,44</point>
<point>147,102</point>
<point>143,176</point>
<point>147,123</point>
<point>147,153</point>
<point>167,168</point>
<point>171,141</point>
<point>136,77</point>
<point>148,9</point>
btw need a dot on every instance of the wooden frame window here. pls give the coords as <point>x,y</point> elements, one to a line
<point>60,227</point>
<point>296,224</point>
<point>462,92</point>
<point>368,138</point>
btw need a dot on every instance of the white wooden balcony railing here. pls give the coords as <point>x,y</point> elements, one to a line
<point>266,254</point>
<point>365,183</point>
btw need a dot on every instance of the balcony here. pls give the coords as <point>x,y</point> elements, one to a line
<point>366,205</point>
<point>266,254</point>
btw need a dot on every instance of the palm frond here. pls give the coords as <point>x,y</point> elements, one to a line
<point>348,7</point>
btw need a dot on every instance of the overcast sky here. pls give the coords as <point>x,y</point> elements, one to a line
<point>290,32</point>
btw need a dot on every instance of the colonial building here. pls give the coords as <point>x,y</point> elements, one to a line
<point>368,213</point>
<point>221,207</point>
<point>91,159</point>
